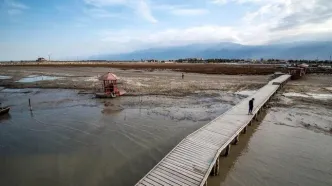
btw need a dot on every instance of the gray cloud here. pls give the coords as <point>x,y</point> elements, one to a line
<point>319,11</point>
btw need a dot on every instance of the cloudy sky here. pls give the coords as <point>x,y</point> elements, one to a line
<point>69,28</point>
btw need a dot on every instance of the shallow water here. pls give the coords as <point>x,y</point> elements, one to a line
<point>291,146</point>
<point>70,139</point>
<point>5,77</point>
<point>34,78</point>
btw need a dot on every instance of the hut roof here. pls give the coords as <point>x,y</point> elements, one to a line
<point>108,77</point>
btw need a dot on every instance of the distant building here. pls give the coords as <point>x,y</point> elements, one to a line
<point>41,59</point>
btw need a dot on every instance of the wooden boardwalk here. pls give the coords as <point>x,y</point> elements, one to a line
<point>197,156</point>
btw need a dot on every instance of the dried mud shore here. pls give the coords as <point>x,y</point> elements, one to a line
<point>135,82</point>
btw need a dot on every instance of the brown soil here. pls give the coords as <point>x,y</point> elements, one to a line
<point>228,69</point>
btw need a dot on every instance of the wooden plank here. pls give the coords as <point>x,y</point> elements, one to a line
<point>189,169</point>
<point>213,139</point>
<point>226,125</point>
<point>196,148</point>
<point>193,157</point>
<point>176,176</point>
<point>187,152</point>
<point>196,151</point>
<point>223,132</point>
<point>168,176</point>
<point>189,157</point>
<point>192,166</point>
<point>192,143</point>
<point>200,154</point>
<point>182,171</point>
<point>181,158</point>
<point>151,182</point>
<point>164,180</point>
<point>203,143</point>
<point>207,140</point>
<point>209,134</point>
<point>155,179</point>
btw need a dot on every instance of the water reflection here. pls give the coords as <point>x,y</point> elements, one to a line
<point>5,117</point>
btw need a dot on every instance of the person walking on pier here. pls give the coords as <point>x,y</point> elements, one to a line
<point>251,106</point>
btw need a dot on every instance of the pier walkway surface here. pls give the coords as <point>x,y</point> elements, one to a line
<point>197,156</point>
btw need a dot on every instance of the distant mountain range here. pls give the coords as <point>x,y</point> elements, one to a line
<point>296,50</point>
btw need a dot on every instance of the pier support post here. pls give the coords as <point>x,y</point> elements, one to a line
<point>228,150</point>
<point>244,131</point>
<point>205,184</point>
<point>236,140</point>
<point>217,166</point>
<point>215,169</point>
<point>250,123</point>
<point>255,117</point>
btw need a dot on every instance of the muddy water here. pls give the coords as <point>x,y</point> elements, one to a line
<point>291,146</point>
<point>71,139</point>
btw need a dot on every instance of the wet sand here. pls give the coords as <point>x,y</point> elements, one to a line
<point>73,139</point>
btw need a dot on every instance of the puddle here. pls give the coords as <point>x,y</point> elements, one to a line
<point>328,88</point>
<point>309,95</point>
<point>34,78</point>
<point>294,94</point>
<point>321,96</point>
<point>5,77</point>
<point>7,90</point>
<point>94,79</point>
<point>246,92</point>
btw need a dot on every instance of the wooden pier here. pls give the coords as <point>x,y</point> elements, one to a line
<point>197,156</point>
